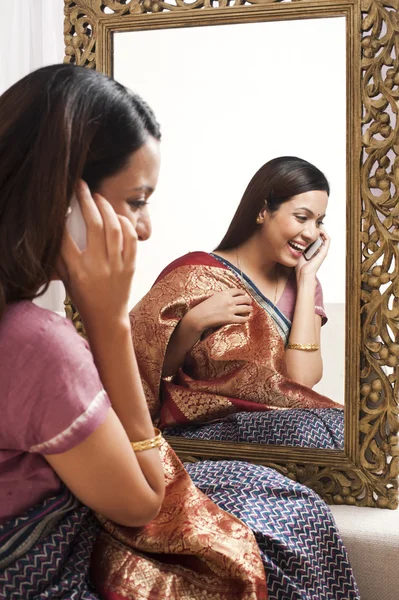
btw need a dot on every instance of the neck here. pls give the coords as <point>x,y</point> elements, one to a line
<point>253,257</point>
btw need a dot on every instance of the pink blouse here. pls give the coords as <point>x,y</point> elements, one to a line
<point>51,399</point>
<point>287,300</point>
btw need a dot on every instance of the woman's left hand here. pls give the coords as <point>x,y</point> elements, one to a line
<point>307,267</point>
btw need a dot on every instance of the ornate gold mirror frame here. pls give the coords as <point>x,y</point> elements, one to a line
<point>366,472</point>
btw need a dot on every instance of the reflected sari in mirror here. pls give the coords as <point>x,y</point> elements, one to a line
<point>232,385</point>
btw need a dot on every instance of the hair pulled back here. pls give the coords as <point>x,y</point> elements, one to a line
<point>57,125</point>
<point>276,182</point>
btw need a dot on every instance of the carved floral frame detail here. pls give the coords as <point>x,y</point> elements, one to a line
<point>366,472</point>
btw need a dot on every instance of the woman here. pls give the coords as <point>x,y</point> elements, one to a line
<point>239,329</point>
<point>76,436</point>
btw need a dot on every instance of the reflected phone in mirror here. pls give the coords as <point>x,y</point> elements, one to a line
<point>76,224</point>
<point>313,249</point>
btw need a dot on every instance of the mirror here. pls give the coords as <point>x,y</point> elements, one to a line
<point>224,114</point>
<point>222,119</point>
<point>361,127</point>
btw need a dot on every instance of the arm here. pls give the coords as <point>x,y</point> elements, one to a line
<point>108,477</point>
<point>304,367</point>
<point>103,471</point>
<point>230,306</point>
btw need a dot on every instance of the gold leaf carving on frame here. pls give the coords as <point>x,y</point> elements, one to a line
<point>378,425</point>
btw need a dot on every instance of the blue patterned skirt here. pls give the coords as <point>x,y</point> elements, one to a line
<point>301,548</point>
<point>302,428</point>
<point>45,554</point>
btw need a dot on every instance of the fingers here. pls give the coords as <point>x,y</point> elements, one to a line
<point>69,250</point>
<point>62,271</point>
<point>237,292</point>
<point>326,242</point>
<point>112,231</point>
<point>325,237</point>
<point>242,309</point>
<point>130,240</point>
<point>93,219</point>
<point>242,305</point>
<point>240,296</point>
<point>241,318</point>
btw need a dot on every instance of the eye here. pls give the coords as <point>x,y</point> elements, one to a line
<point>320,223</point>
<point>137,204</point>
<point>301,218</point>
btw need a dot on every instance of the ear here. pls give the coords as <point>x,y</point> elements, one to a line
<point>261,216</point>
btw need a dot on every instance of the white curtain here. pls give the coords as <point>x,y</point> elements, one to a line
<point>31,36</point>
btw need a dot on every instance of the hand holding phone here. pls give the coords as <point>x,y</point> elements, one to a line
<point>76,224</point>
<point>313,249</point>
<point>97,258</point>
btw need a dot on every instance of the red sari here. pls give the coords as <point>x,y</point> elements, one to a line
<point>193,549</point>
<point>231,368</point>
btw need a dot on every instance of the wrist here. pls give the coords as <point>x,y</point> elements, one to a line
<point>191,324</point>
<point>304,279</point>
<point>111,327</point>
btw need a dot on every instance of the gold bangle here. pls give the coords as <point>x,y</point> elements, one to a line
<point>305,347</point>
<point>154,442</point>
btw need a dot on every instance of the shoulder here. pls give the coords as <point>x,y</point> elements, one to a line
<point>29,324</point>
<point>30,335</point>
<point>319,292</point>
<point>49,378</point>
<point>191,259</point>
<point>319,303</point>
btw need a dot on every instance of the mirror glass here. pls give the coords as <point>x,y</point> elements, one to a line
<point>229,98</point>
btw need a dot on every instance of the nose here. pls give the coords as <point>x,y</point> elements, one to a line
<point>143,227</point>
<point>310,232</point>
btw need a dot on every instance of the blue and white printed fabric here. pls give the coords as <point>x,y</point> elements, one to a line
<point>301,548</point>
<point>302,428</point>
<point>48,564</point>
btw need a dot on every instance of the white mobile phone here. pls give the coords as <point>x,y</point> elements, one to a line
<point>313,249</point>
<point>76,224</point>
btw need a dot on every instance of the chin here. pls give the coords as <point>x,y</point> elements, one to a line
<point>290,262</point>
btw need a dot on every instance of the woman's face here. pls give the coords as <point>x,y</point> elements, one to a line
<point>287,232</point>
<point>129,190</point>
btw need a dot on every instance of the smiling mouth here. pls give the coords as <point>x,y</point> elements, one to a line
<point>297,247</point>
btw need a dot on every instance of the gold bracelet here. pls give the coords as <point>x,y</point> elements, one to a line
<point>305,347</point>
<point>154,442</point>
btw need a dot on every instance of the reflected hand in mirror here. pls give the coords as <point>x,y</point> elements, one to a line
<point>246,366</point>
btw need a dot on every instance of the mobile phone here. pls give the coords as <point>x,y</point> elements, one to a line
<point>76,224</point>
<point>313,249</point>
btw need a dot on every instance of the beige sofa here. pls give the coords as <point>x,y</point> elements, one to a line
<point>371,537</point>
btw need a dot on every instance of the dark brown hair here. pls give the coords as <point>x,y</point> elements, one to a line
<point>276,182</point>
<point>57,125</point>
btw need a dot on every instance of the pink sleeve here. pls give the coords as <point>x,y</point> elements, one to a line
<point>55,397</point>
<point>319,304</point>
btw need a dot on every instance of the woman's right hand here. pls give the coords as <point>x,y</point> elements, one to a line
<point>98,278</point>
<point>230,306</point>
<point>103,471</point>
<point>311,266</point>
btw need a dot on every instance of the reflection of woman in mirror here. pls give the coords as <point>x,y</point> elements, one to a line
<point>237,331</point>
